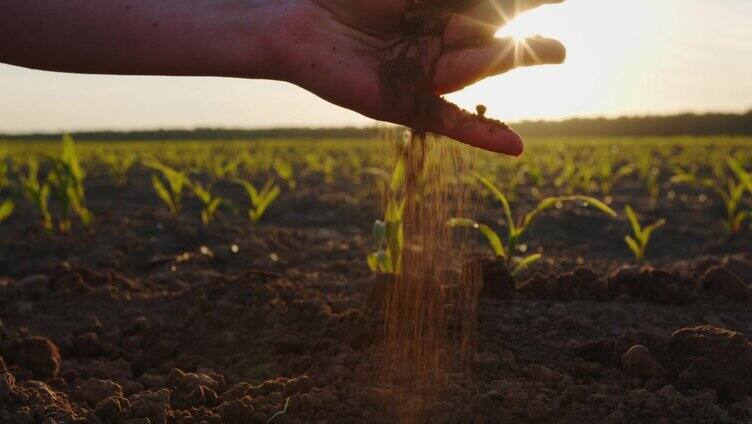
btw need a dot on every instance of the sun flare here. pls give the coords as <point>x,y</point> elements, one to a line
<point>604,40</point>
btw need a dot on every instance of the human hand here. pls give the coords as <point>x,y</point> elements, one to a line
<point>392,59</point>
<point>387,59</point>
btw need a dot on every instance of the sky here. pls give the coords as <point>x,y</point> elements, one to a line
<point>625,57</point>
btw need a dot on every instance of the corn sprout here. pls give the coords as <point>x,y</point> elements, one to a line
<point>172,193</point>
<point>259,199</point>
<point>640,238</point>
<point>517,228</point>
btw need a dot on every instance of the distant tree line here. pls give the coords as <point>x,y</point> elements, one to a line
<point>675,125</point>
<point>207,134</point>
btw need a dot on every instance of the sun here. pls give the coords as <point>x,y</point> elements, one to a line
<point>546,20</point>
<point>607,44</point>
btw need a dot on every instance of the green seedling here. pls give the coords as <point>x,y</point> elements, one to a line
<point>355,165</point>
<point>36,192</point>
<point>66,183</point>
<point>6,209</point>
<point>286,172</point>
<point>741,174</point>
<point>535,174</point>
<point>389,235</point>
<point>517,228</point>
<point>640,238</point>
<point>171,193</point>
<point>210,203</point>
<point>731,193</point>
<point>566,174</point>
<point>583,180</point>
<point>744,178</point>
<point>608,177</point>
<point>325,166</point>
<point>118,164</point>
<point>649,175</point>
<point>5,173</point>
<point>259,199</point>
<point>220,167</point>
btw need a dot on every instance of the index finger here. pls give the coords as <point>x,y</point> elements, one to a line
<point>447,119</point>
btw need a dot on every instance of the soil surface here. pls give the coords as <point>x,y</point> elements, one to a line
<point>150,319</point>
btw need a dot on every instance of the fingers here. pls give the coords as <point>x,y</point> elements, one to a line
<point>484,19</point>
<point>444,118</point>
<point>459,68</point>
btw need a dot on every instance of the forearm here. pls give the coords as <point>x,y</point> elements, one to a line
<point>138,37</point>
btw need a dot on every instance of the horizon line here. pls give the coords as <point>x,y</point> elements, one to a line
<point>374,125</point>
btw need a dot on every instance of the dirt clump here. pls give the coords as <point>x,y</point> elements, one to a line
<point>719,281</point>
<point>498,282</point>
<point>36,354</point>
<point>661,286</point>
<point>580,284</point>
<point>93,391</point>
<point>639,362</point>
<point>708,356</point>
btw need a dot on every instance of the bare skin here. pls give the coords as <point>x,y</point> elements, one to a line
<point>387,59</point>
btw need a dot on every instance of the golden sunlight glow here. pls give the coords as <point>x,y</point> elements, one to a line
<point>602,38</point>
<point>575,21</point>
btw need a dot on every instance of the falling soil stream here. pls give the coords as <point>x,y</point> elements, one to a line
<point>432,294</point>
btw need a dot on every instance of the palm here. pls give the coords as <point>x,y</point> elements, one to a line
<point>391,60</point>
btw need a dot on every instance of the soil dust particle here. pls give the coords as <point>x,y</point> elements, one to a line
<point>481,110</point>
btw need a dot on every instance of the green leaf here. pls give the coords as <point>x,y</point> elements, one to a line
<point>592,201</point>
<point>70,158</point>
<point>285,171</point>
<point>253,194</point>
<point>380,262</point>
<point>544,204</point>
<point>500,197</point>
<point>201,193</point>
<point>267,197</point>
<point>634,247</point>
<point>373,262</point>
<point>493,239</point>
<point>737,221</point>
<point>633,221</point>
<point>395,210</point>
<point>623,172</point>
<point>163,194</point>
<point>214,204</point>
<point>744,177</point>
<point>398,176</point>
<point>526,262</point>
<point>462,222</point>
<point>6,209</point>
<point>648,231</point>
